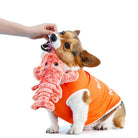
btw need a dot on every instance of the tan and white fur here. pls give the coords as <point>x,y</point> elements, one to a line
<point>75,57</point>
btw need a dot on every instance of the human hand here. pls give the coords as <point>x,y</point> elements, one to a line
<point>41,31</point>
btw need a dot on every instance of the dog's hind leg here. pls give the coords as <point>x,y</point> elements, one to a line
<point>115,118</point>
<point>119,117</point>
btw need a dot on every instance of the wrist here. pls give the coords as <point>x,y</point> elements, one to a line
<point>31,32</point>
<point>27,31</point>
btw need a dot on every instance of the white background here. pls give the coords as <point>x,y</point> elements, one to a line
<point>109,30</point>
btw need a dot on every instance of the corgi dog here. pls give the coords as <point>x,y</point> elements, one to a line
<point>87,103</point>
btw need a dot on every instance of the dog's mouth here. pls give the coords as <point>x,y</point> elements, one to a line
<point>47,46</point>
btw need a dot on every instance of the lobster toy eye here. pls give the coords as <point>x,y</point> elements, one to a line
<point>56,64</point>
<point>46,63</point>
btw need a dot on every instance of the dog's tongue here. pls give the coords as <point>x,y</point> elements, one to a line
<point>47,47</point>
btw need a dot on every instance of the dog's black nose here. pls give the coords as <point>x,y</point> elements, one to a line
<point>53,38</point>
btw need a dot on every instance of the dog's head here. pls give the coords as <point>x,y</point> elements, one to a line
<point>69,49</point>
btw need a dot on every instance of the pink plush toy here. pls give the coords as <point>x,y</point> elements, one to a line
<point>51,74</point>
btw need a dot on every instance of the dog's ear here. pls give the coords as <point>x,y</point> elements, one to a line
<point>86,59</point>
<point>77,32</point>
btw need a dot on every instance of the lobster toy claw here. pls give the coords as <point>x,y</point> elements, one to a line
<point>47,46</point>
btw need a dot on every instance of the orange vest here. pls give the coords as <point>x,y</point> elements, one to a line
<point>102,98</point>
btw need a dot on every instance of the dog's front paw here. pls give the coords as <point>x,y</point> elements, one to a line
<point>53,129</point>
<point>74,131</point>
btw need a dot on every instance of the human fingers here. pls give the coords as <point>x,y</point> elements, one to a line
<point>52,27</point>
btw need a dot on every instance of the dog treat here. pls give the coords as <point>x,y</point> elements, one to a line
<point>51,74</point>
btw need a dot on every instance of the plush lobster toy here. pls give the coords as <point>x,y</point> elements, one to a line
<point>51,74</point>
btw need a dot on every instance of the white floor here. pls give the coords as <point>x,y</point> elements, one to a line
<point>113,133</point>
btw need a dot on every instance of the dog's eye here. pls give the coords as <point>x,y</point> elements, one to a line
<point>62,33</point>
<point>67,45</point>
<point>56,64</point>
<point>46,63</point>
